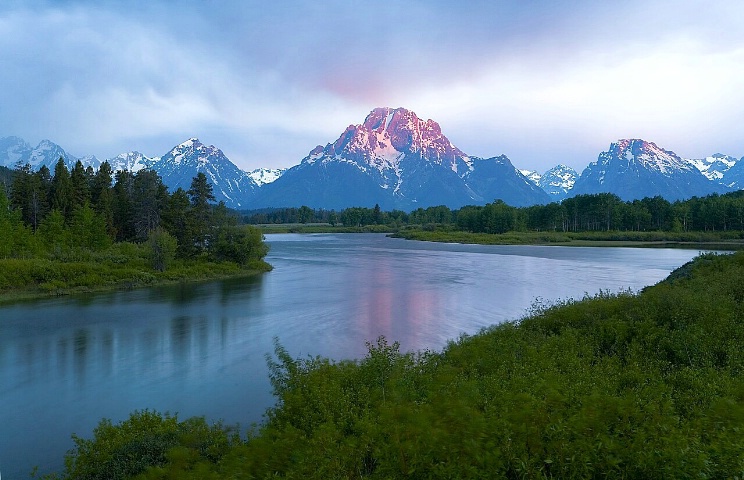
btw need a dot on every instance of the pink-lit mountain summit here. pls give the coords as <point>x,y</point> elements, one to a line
<point>387,135</point>
<point>397,160</point>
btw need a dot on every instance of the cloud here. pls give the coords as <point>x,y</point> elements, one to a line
<point>268,81</point>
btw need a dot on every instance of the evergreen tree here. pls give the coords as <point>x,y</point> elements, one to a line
<point>20,190</point>
<point>199,223</point>
<point>102,180</point>
<point>148,199</point>
<point>79,185</point>
<point>41,199</point>
<point>61,190</point>
<point>175,221</point>
<point>122,206</point>
<point>102,196</point>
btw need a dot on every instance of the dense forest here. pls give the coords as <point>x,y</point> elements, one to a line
<point>582,213</point>
<point>86,228</point>
<point>645,385</point>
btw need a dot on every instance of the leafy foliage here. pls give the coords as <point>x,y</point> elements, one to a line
<point>145,440</point>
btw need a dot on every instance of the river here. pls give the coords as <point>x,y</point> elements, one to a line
<point>199,349</point>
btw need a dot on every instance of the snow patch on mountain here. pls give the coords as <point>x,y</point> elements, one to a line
<point>715,166</point>
<point>262,176</point>
<point>132,161</point>
<point>558,181</point>
<point>532,175</point>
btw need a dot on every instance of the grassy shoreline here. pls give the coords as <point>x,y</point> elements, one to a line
<point>35,278</point>
<point>696,240</point>
<point>323,228</point>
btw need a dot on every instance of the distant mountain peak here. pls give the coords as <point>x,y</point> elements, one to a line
<point>132,161</point>
<point>647,155</point>
<point>714,167</point>
<point>558,181</point>
<point>634,168</point>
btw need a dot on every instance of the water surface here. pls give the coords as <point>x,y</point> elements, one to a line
<point>200,349</point>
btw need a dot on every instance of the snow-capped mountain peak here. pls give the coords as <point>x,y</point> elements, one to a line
<point>647,155</point>
<point>132,161</point>
<point>388,136</point>
<point>397,160</point>
<point>262,176</point>
<point>715,166</point>
<point>558,181</point>
<point>634,168</point>
<point>179,166</point>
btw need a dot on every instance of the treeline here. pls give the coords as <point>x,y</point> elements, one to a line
<point>67,215</point>
<point>612,386</point>
<point>582,213</point>
<point>350,217</point>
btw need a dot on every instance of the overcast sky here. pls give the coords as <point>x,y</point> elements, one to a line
<point>542,81</point>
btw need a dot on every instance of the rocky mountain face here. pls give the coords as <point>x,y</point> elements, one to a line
<point>717,167</point>
<point>179,166</point>
<point>633,169</point>
<point>558,182</point>
<point>396,160</point>
<point>132,161</point>
<point>733,178</point>
<point>531,175</point>
<point>15,150</point>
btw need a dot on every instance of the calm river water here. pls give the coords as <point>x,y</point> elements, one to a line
<point>200,349</point>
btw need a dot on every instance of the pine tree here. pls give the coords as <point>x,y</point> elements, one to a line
<point>200,195</point>
<point>148,199</point>
<point>102,196</point>
<point>79,185</point>
<point>61,190</point>
<point>122,206</point>
<point>175,221</point>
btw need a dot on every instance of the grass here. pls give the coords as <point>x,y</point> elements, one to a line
<point>692,240</point>
<point>122,267</point>
<point>323,228</point>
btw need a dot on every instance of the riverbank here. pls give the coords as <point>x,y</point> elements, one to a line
<point>690,240</point>
<point>26,279</point>
<point>323,228</point>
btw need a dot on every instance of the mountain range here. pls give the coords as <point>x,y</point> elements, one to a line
<point>399,161</point>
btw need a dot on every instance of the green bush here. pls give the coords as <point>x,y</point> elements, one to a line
<point>145,440</point>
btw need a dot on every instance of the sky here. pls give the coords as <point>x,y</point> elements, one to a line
<point>541,81</point>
